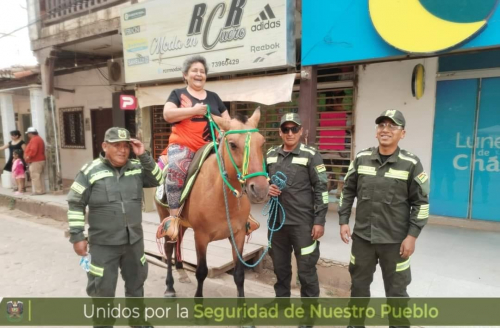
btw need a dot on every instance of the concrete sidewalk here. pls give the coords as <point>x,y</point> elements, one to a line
<point>453,257</point>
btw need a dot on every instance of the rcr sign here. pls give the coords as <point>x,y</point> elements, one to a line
<point>230,34</point>
<point>231,30</point>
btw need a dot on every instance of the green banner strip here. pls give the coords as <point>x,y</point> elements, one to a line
<point>250,311</point>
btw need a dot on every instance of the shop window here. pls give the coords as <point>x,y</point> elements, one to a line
<point>161,131</point>
<point>72,127</point>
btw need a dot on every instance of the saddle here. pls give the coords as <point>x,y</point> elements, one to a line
<point>170,225</point>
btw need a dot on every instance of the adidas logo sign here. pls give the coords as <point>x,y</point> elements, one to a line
<point>264,18</point>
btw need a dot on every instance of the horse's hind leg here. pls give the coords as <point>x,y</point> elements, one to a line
<point>239,268</point>
<point>170,291</point>
<point>201,242</point>
<point>178,263</point>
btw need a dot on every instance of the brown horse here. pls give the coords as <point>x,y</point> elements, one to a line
<point>205,209</point>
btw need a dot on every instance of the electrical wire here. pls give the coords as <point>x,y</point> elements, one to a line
<point>56,10</point>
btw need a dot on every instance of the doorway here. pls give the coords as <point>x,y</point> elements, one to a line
<point>465,180</point>
<point>101,119</point>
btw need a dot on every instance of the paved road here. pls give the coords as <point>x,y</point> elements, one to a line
<point>38,261</point>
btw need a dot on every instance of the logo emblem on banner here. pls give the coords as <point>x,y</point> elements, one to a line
<point>128,102</point>
<point>429,26</point>
<point>15,311</point>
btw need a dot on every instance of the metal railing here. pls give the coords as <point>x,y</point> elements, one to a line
<point>59,10</point>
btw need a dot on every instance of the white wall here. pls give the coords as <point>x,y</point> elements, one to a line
<point>22,106</point>
<point>388,86</point>
<point>91,91</point>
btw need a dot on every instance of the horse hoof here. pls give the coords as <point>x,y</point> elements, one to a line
<point>169,294</point>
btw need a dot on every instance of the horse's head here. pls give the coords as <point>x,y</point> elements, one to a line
<point>244,144</point>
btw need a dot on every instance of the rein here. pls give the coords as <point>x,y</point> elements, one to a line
<point>271,209</point>
<point>243,174</point>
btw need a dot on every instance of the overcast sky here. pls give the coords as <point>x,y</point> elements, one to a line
<point>15,49</point>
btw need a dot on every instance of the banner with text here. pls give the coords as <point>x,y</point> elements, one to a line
<point>234,36</point>
<point>250,311</point>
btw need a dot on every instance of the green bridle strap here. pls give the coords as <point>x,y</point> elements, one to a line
<point>242,176</point>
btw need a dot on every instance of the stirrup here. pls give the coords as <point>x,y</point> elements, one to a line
<point>251,225</point>
<point>169,227</point>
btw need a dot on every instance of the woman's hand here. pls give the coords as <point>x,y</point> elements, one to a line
<point>200,109</point>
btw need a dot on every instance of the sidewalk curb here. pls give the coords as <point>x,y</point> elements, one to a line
<point>30,206</point>
<point>330,273</point>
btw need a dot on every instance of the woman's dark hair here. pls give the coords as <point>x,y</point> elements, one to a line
<point>191,60</point>
<point>16,133</point>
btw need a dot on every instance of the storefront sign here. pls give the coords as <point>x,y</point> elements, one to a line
<point>233,36</point>
<point>128,102</point>
<point>346,31</point>
<point>429,26</point>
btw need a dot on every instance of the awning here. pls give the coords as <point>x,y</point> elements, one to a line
<point>267,90</point>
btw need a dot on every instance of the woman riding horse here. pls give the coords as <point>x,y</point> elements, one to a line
<point>219,204</point>
<point>186,109</point>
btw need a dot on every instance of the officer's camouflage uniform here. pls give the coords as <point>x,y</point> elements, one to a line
<point>114,198</point>
<point>392,203</point>
<point>305,200</point>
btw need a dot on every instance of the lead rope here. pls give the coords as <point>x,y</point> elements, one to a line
<point>271,209</point>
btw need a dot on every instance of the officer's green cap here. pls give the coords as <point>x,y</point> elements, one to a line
<point>394,115</point>
<point>290,117</point>
<point>116,134</point>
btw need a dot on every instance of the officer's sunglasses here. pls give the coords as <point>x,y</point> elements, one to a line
<point>390,126</point>
<point>294,129</point>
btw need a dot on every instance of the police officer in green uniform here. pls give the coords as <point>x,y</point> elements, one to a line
<point>392,189</point>
<point>111,186</point>
<point>305,201</point>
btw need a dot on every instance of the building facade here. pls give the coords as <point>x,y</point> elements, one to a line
<point>452,122</point>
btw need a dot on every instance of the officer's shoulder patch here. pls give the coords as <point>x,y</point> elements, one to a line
<point>406,155</point>
<point>90,165</point>
<point>308,149</point>
<point>423,180</point>
<point>422,177</point>
<point>270,150</point>
<point>86,165</point>
<point>365,152</point>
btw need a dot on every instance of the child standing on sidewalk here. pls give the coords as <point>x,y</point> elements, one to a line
<point>18,170</point>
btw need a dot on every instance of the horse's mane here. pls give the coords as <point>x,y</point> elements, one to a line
<point>241,118</point>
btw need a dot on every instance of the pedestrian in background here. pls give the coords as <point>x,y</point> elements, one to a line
<point>15,143</point>
<point>35,156</point>
<point>18,170</point>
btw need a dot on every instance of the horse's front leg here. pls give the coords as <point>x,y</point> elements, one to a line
<point>239,268</point>
<point>201,241</point>
<point>169,248</point>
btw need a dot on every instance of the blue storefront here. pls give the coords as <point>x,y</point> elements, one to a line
<point>465,160</point>
<point>465,179</point>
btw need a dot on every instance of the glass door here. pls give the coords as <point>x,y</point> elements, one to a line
<point>486,177</point>
<point>454,123</point>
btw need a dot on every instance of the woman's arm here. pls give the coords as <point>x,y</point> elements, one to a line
<point>23,146</point>
<point>226,115</point>
<point>4,147</point>
<point>173,114</point>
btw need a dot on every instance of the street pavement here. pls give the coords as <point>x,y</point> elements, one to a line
<point>38,261</point>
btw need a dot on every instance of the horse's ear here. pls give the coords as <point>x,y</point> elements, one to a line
<point>223,123</point>
<point>255,118</point>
